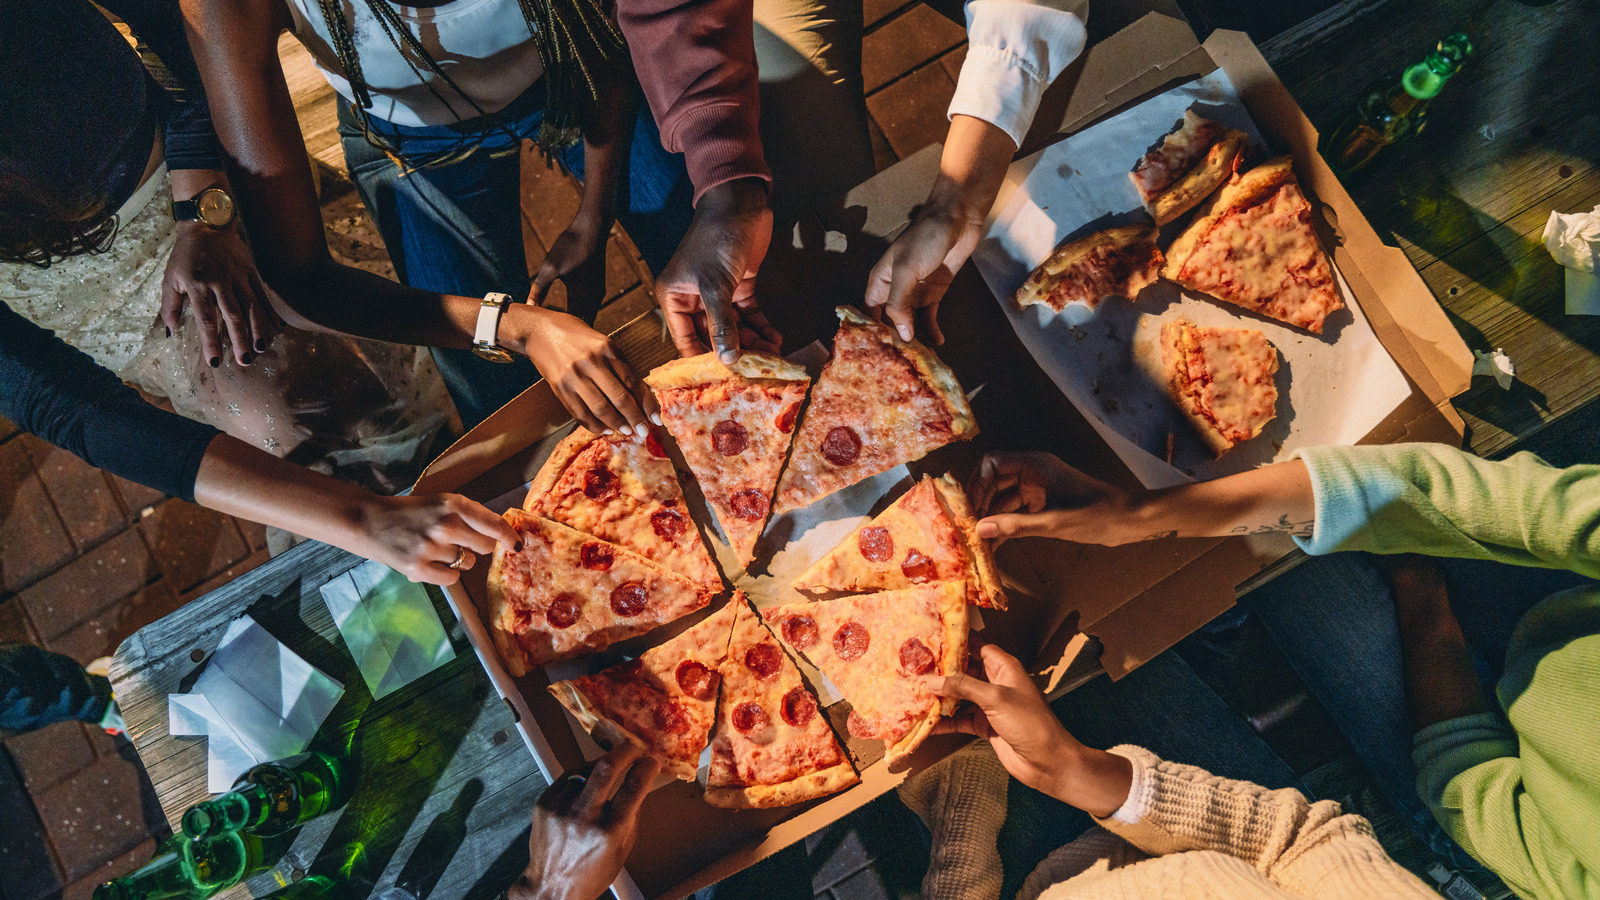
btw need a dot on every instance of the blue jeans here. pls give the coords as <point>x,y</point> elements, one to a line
<point>39,688</point>
<point>457,228</point>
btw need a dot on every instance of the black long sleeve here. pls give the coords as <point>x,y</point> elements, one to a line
<point>57,392</point>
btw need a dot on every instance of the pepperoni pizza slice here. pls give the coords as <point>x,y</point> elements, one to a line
<point>560,593</point>
<point>733,425</point>
<point>664,702</point>
<point>879,402</point>
<point>927,535</point>
<point>624,492</point>
<point>1222,379</point>
<point>773,746</point>
<point>1253,245</point>
<point>1117,262</point>
<point>876,647</point>
<point>1189,163</point>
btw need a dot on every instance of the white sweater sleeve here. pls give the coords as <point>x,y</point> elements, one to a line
<point>1015,49</point>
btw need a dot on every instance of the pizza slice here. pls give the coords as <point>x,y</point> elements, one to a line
<point>1117,262</point>
<point>773,746</point>
<point>1254,246</point>
<point>925,536</point>
<point>876,647</point>
<point>1222,379</point>
<point>664,702</point>
<point>1189,163</point>
<point>625,492</point>
<point>879,402</point>
<point>561,593</point>
<point>733,425</point>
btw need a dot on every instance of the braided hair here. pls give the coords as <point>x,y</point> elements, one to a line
<point>576,40</point>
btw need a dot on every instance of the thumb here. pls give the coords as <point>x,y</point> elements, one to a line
<point>902,285</point>
<point>541,283</point>
<point>879,280</point>
<point>724,331</point>
<point>1013,525</point>
<point>961,686</point>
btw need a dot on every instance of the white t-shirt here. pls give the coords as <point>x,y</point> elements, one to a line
<point>484,45</point>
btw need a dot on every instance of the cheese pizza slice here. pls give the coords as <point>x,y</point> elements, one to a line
<point>733,425</point>
<point>876,647</point>
<point>560,593</point>
<point>927,535</point>
<point>664,702</point>
<point>1186,166</point>
<point>625,492</point>
<point>1117,262</point>
<point>1222,379</point>
<point>879,402</point>
<point>1253,245</point>
<point>773,746</point>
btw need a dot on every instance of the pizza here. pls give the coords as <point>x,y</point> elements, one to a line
<point>664,702</point>
<point>925,536</point>
<point>560,593</point>
<point>1222,379</point>
<point>733,426</point>
<point>876,648</point>
<point>1254,246</point>
<point>1189,163</point>
<point>1117,262</point>
<point>879,402</point>
<point>625,492</point>
<point>773,745</point>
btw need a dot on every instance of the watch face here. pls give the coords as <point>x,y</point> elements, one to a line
<point>215,207</point>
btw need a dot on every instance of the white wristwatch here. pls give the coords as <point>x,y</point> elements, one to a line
<point>485,341</point>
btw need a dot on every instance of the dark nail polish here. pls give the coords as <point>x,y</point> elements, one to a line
<point>517,547</point>
<point>245,359</point>
<point>169,332</point>
<point>261,345</point>
<point>216,361</point>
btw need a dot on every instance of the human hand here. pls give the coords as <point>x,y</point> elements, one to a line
<point>578,259</point>
<point>591,381</point>
<point>706,291</point>
<point>1021,494</point>
<point>212,270</point>
<point>429,538</point>
<point>910,279</point>
<point>584,828</point>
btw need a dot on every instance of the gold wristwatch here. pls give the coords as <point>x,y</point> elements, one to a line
<point>485,341</point>
<point>211,206</point>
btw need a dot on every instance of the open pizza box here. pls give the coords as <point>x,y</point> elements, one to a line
<point>1134,601</point>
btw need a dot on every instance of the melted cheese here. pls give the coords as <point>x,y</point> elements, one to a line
<point>1231,374</point>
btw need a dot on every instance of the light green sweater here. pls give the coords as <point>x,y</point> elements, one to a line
<point>1524,799</point>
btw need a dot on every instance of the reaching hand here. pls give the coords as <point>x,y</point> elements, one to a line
<point>212,270</point>
<point>420,537</point>
<point>707,289</point>
<point>591,381</point>
<point>584,828</point>
<point>1021,494</point>
<point>578,259</point>
<point>911,278</point>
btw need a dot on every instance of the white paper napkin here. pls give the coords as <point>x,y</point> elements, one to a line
<point>389,625</point>
<point>1574,241</point>
<point>256,701</point>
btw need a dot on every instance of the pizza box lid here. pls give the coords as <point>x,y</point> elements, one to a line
<point>1136,600</point>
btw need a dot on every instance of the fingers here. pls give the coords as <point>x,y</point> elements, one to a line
<point>961,686</point>
<point>204,306</point>
<point>542,280</point>
<point>681,325</point>
<point>756,332</point>
<point>723,327</point>
<point>605,778</point>
<point>237,325</point>
<point>260,315</point>
<point>1002,668</point>
<point>968,720</point>
<point>878,282</point>
<point>635,787</point>
<point>902,285</point>
<point>434,572</point>
<point>928,317</point>
<point>579,407</point>
<point>1018,524</point>
<point>480,519</point>
<point>562,793</point>
<point>171,315</point>
<point>645,399</point>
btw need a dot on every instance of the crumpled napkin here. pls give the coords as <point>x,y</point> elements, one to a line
<point>389,626</point>
<point>1497,364</point>
<point>1574,240</point>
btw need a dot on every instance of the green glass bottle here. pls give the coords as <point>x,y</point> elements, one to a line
<point>273,798</point>
<point>1392,111</point>
<point>184,869</point>
<point>314,887</point>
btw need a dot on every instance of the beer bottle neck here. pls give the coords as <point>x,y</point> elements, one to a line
<point>239,809</point>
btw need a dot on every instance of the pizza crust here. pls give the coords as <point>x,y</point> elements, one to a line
<point>609,733</point>
<point>707,368</point>
<point>953,617</point>
<point>556,466</point>
<point>1201,181</point>
<point>988,590</point>
<point>932,369</point>
<point>807,787</point>
<point>1042,282</point>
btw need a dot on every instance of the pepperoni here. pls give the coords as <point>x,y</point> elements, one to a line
<point>841,446</point>
<point>786,419</point>
<point>669,524</point>
<point>564,611</point>
<point>749,716</point>
<point>696,680</point>
<point>597,556</point>
<point>600,484</point>
<point>764,659</point>
<point>800,632</point>
<point>798,707</point>
<point>671,718</point>
<point>851,640</point>
<point>730,438</point>
<point>860,726</point>
<point>915,657</point>
<point>875,543</point>
<point>917,567</point>
<point>654,446</point>
<point>749,504</point>
<point>629,599</point>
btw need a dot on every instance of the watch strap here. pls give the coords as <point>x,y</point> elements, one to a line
<point>487,333</point>
<point>185,210</point>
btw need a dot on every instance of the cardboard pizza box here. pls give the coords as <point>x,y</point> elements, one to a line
<point>1136,600</point>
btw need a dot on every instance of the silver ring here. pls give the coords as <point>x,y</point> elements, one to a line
<point>461,556</point>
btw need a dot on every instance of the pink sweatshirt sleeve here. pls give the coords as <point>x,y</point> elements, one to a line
<point>696,61</point>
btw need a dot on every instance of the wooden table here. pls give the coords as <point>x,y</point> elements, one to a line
<point>444,783</point>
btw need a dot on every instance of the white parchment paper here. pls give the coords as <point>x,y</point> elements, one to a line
<point>1332,389</point>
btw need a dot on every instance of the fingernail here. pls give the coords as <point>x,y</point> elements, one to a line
<point>169,332</point>
<point>656,418</point>
<point>905,332</point>
<point>609,433</point>
<point>215,361</point>
<point>988,530</point>
<point>517,547</point>
<point>627,430</point>
<point>261,345</point>
<point>245,359</point>
<point>729,357</point>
